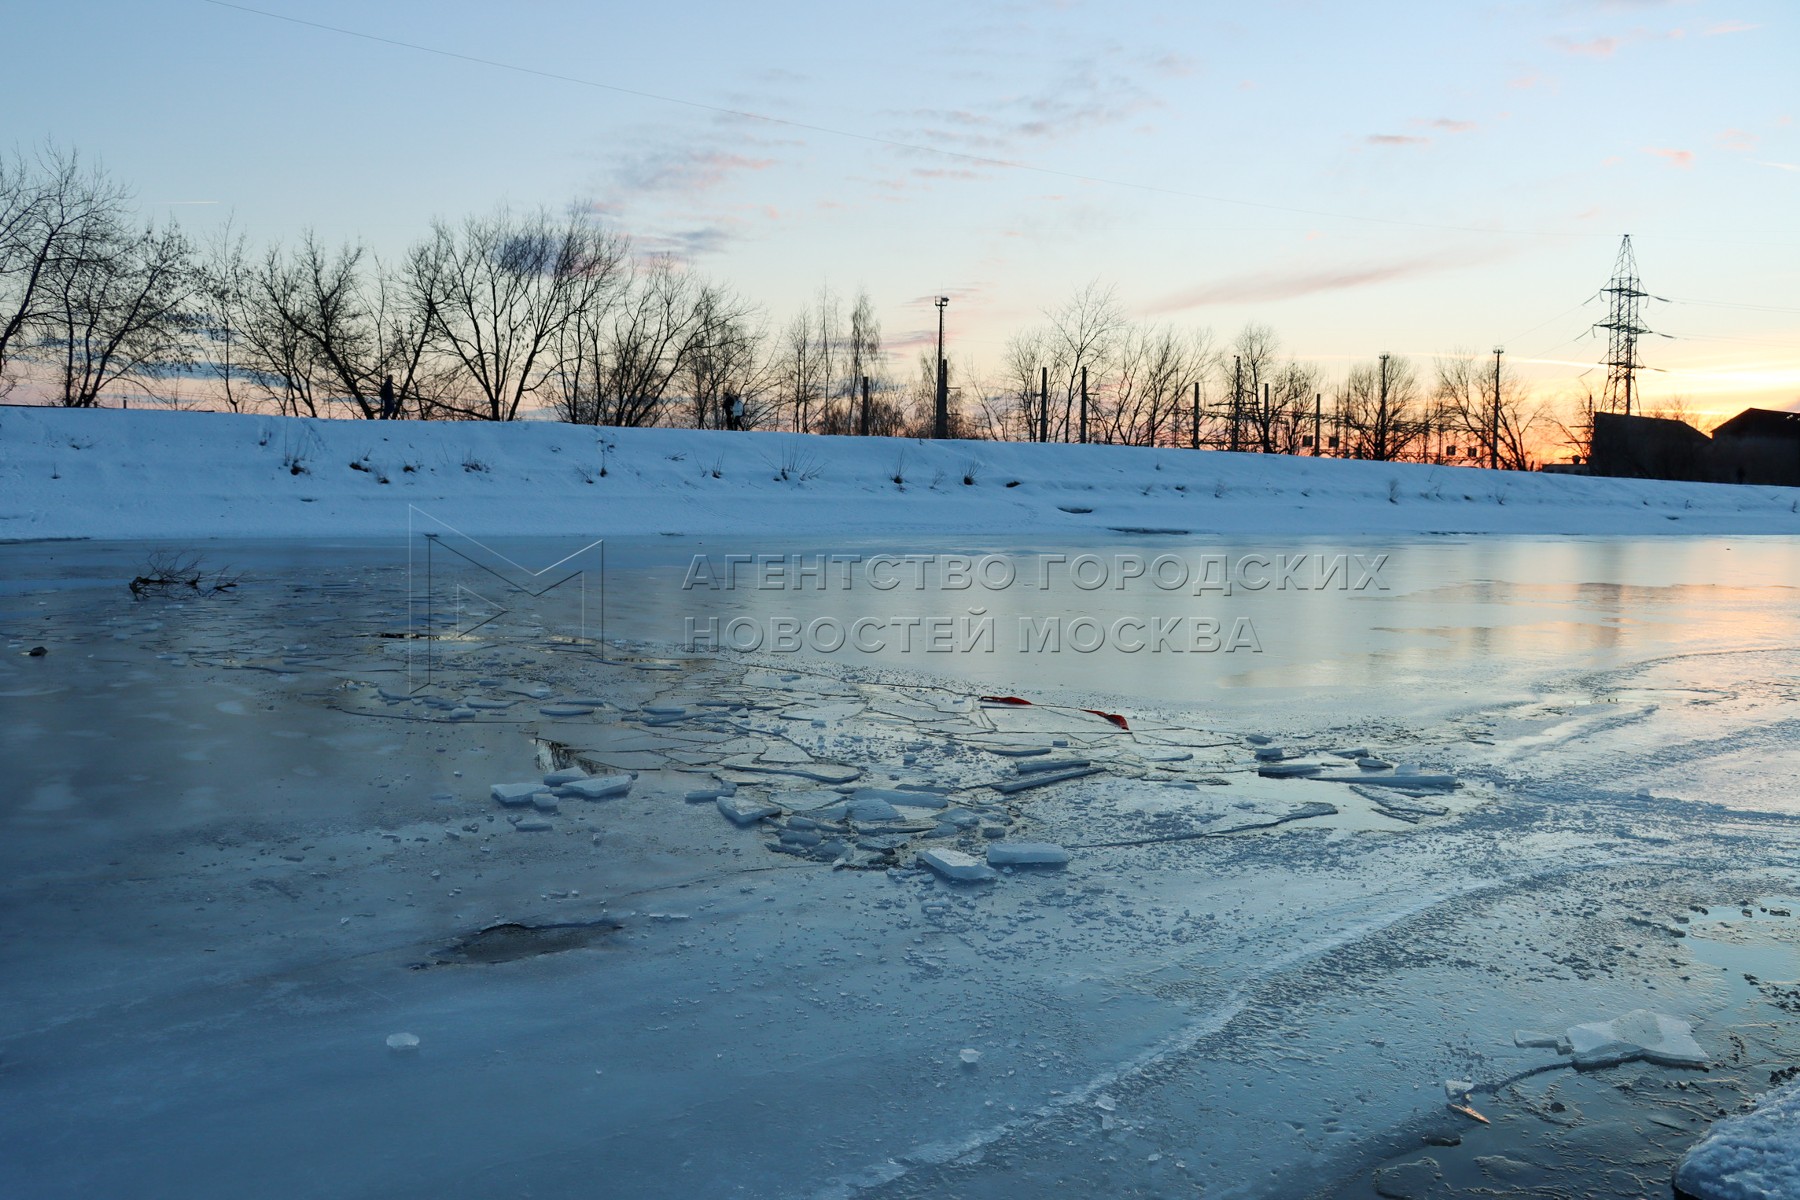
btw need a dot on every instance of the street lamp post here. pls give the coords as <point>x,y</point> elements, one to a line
<point>941,426</point>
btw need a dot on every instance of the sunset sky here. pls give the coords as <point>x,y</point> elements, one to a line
<point>1409,177</point>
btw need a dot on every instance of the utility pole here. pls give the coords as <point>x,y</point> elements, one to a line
<point>941,426</point>
<point>1237,395</point>
<point>1084,404</point>
<point>1266,423</point>
<point>1381,415</point>
<point>1196,430</point>
<point>1494,426</point>
<point>865,407</point>
<point>1043,404</point>
<point>1318,423</point>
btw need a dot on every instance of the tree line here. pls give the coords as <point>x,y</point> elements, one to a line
<point>507,313</point>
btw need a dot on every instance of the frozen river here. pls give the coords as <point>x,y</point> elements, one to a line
<point>248,838</point>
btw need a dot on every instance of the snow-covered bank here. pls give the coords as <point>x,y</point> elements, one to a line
<point>156,474</point>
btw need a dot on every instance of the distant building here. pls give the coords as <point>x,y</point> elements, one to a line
<point>1649,448</point>
<point>1759,445</point>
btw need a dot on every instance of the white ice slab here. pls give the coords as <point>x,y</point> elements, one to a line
<point>956,866</point>
<point>516,795</point>
<point>1640,1033</point>
<point>743,810</point>
<point>600,788</point>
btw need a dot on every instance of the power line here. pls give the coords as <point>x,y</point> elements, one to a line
<point>1729,304</point>
<point>876,139</point>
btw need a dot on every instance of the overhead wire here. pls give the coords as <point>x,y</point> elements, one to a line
<point>879,140</point>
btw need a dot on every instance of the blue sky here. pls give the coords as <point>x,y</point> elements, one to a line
<point>1410,177</point>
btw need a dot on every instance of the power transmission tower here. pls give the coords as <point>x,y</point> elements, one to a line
<point>1623,327</point>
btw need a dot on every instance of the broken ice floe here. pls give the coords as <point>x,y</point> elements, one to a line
<point>1026,854</point>
<point>516,795</point>
<point>598,788</point>
<point>956,866</point>
<point>402,1043</point>
<point>1640,1033</point>
<point>743,810</point>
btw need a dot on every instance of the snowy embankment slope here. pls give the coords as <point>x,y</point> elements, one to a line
<point>151,474</point>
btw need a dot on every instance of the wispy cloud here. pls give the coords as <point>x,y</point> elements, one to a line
<point>1675,158</point>
<point>1261,287</point>
<point>686,169</point>
<point>1396,139</point>
<point>1738,141</point>
<point>687,244</point>
<point>1595,47</point>
<point>1779,166</point>
<point>1729,27</point>
<point>1097,91</point>
<point>1448,125</point>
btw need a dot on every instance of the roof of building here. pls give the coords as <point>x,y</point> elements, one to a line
<point>1761,422</point>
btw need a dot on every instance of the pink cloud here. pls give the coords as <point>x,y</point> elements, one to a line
<point>1738,140</point>
<point>1677,158</point>
<point>1449,126</point>
<point>1731,27</point>
<point>1396,139</point>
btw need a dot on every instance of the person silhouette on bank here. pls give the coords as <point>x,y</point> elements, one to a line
<point>389,409</point>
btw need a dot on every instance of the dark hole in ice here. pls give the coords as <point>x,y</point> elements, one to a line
<point>511,941</point>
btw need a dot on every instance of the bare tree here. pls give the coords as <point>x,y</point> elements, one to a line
<point>57,220</point>
<point>863,360</point>
<point>659,321</point>
<point>118,312</point>
<point>1381,407</point>
<point>217,325</point>
<point>1256,414</point>
<point>497,291</point>
<point>803,381</point>
<point>725,363</point>
<point>1502,422</point>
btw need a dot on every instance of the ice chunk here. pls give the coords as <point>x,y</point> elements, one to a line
<point>956,866</point>
<point>566,775</point>
<point>1369,762</point>
<point>516,795</point>
<point>1050,764</point>
<point>534,825</point>
<point>871,808</point>
<point>599,788</point>
<point>1026,854</point>
<point>544,802</point>
<point>969,1057</point>
<point>1007,787</point>
<point>703,795</point>
<point>1640,1033</point>
<point>403,1043</point>
<point>905,797</point>
<point>745,811</point>
<point>565,710</point>
<point>1269,754</point>
<point>1749,1156</point>
<point>1281,770</point>
<point>1457,1090</point>
<point>1527,1040</point>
